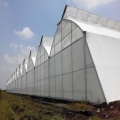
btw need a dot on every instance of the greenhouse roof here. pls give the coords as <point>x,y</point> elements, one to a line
<point>92,28</point>
<point>89,17</point>
<point>46,42</point>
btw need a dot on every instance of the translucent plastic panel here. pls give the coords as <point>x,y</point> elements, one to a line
<point>28,78</point>
<point>58,35</point>
<point>39,88</point>
<point>42,71</point>
<point>23,79</point>
<point>66,55</point>
<point>32,89</point>
<point>42,59</point>
<point>42,87</point>
<point>59,87</point>
<point>32,76</point>
<point>66,28</point>
<point>78,55</point>
<point>111,23</point>
<point>36,74</point>
<point>67,86</point>
<point>46,87</point>
<point>46,69</point>
<point>89,61</point>
<point>42,51</point>
<point>102,21</point>
<point>58,64</point>
<point>38,62</point>
<point>72,9</point>
<point>67,14</point>
<point>83,15</point>
<point>52,71</point>
<point>38,54</point>
<point>23,70</point>
<point>19,82</point>
<point>66,41</point>
<point>73,26</point>
<point>76,34</point>
<point>58,48</point>
<point>36,87</point>
<point>53,44</point>
<point>94,91</point>
<point>117,26</point>
<point>52,87</point>
<point>39,71</point>
<point>46,56</point>
<point>93,18</point>
<point>24,89</point>
<point>52,52</point>
<point>79,85</point>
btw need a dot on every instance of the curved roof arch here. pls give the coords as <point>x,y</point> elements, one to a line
<point>46,42</point>
<point>31,61</point>
<point>92,28</point>
<point>44,49</point>
<point>24,66</point>
<point>59,33</point>
<point>20,70</point>
<point>89,17</point>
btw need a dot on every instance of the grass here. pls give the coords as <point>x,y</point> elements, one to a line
<point>14,107</point>
<point>57,117</point>
<point>79,107</point>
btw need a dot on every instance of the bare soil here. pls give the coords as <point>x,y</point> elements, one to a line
<point>21,107</point>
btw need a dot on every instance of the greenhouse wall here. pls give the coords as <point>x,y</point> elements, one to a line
<point>74,64</point>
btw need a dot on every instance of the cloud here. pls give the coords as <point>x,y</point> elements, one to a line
<point>23,53</point>
<point>9,59</point>
<point>26,33</point>
<point>10,62</point>
<point>4,3</point>
<point>90,4</point>
<point>14,45</point>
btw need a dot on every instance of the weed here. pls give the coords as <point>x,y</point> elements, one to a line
<point>79,107</point>
<point>94,118</point>
<point>57,117</point>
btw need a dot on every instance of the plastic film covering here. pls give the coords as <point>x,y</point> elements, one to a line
<point>47,43</point>
<point>41,69</point>
<point>78,55</point>
<point>84,58</point>
<point>52,87</point>
<point>94,94</point>
<point>67,86</point>
<point>59,87</point>
<point>90,17</point>
<point>105,53</point>
<point>30,76</point>
<point>79,85</point>
<point>66,55</point>
<point>23,87</point>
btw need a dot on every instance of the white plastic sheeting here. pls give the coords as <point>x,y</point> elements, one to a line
<point>80,63</point>
<point>104,45</point>
<point>90,18</point>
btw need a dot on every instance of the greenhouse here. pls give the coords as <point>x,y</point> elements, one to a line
<point>81,62</point>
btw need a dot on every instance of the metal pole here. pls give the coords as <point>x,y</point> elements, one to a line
<point>85,74</point>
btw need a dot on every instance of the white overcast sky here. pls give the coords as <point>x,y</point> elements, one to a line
<point>23,22</point>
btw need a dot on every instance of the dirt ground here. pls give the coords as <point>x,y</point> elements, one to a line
<point>36,108</point>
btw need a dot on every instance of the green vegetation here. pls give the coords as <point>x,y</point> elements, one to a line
<point>16,107</point>
<point>79,107</point>
<point>57,117</point>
